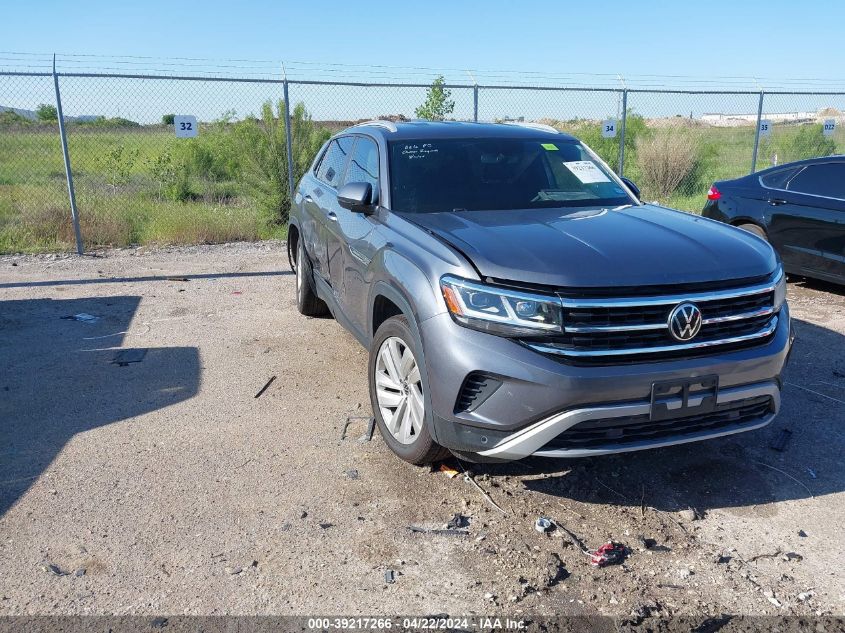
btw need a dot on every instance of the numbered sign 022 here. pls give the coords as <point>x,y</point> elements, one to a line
<point>185,126</point>
<point>829,127</point>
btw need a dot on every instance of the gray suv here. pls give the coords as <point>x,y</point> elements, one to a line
<point>518,299</point>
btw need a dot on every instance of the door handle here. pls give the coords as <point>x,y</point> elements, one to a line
<point>332,216</point>
<point>308,198</point>
<point>776,202</point>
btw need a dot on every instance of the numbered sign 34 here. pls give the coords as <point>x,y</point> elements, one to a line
<point>829,127</point>
<point>185,125</point>
<point>608,128</point>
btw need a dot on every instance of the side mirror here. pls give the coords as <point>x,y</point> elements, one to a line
<point>630,184</point>
<point>356,196</point>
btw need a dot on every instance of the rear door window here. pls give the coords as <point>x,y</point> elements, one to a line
<point>778,179</point>
<point>332,166</point>
<point>826,179</point>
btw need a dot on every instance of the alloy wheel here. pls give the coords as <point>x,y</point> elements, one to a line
<point>399,390</point>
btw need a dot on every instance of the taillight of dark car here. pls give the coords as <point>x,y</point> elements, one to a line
<point>713,193</point>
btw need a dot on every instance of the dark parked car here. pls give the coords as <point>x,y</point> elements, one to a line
<point>517,299</point>
<point>799,207</point>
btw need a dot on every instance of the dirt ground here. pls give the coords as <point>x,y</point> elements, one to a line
<point>166,487</point>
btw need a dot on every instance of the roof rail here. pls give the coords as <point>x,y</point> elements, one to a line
<point>534,126</point>
<point>390,126</point>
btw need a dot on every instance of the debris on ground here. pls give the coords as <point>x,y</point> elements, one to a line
<point>371,429</point>
<point>390,576</point>
<point>611,553</point>
<point>780,442</point>
<point>233,571</point>
<point>55,570</point>
<point>802,534</point>
<point>352,473</point>
<point>326,525</point>
<point>652,545</point>
<point>82,317</point>
<point>468,477</point>
<point>176,279</point>
<point>542,524</point>
<point>79,573</point>
<point>352,418</point>
<point>450,472</point>
<point>457,521</point>
<point>126,356</point>
<point>789,556</point>
<point>441,531</point>
<point>688,515</point>
<point>266,385</point>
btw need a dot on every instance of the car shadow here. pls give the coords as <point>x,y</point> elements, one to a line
<point>733,471</point>
<point>58,379</point>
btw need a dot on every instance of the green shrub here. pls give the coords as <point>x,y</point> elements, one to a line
<point>46,113</point>
<point>167,119</point>
<point>107,122</point>
<point>117,164</point>
<point>437,104</point>
<point>10,117</point>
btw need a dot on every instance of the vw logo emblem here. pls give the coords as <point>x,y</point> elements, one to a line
<point>685,321</point>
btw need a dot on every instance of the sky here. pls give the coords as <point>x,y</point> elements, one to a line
<point>717,38</point>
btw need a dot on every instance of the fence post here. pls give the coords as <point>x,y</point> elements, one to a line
<point>288,143</point>
<point>475,103</point>
<point>621,169</point>
<point>74,214</point>
<point>757,134</point>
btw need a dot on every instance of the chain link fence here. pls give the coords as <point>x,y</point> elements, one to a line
<point>137,182</point>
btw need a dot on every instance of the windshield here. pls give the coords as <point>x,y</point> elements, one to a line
<point>430,175</point>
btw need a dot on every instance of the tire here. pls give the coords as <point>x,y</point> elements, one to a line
<point>753,228</point>
<point>307,300</point>
<point>398,391</point>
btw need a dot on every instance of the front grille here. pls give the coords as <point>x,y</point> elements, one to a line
<point>639,428</point>
<point>609,329</point>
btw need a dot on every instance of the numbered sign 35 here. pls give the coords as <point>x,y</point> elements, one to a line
<point>829,127</point>
<point>765,127</point>
<point>608,128</point>
<point>185,125</point>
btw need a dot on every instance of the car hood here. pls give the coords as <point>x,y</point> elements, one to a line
<point>633,246</point>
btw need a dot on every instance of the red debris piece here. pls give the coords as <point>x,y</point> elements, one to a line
<point>611,553</point>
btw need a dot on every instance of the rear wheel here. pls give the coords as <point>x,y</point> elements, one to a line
<point>307,300</point>
<point>397,393</point>
<point>753,228</point>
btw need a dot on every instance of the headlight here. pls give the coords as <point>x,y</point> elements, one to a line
<point>780,290</point>
<point>501,311</point>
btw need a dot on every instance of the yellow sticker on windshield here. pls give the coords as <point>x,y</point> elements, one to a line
<point>549,146</point>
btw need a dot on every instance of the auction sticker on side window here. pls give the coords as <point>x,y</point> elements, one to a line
<point>586,171</point>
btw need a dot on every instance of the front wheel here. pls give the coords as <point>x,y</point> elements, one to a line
<point>397,393</point>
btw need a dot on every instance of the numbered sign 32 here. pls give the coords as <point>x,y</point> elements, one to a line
<point>608,128</point>
<point>829,127</point>
<point>185,125</point>
<point>765,128</point>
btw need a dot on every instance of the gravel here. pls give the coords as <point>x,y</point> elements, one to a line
<point>178,492</point>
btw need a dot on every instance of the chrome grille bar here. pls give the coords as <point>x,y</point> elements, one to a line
<point>550,348</point>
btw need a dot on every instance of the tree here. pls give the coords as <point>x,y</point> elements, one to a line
<point>46,113</point>
<point>437,103</point>
<point>167,119</point>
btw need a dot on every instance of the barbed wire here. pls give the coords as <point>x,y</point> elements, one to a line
<point>24,61</point>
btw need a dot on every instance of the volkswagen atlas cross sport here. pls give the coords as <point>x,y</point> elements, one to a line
<point>518,299</point>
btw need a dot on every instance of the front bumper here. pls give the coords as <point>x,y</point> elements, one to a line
<point>542,397</point>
